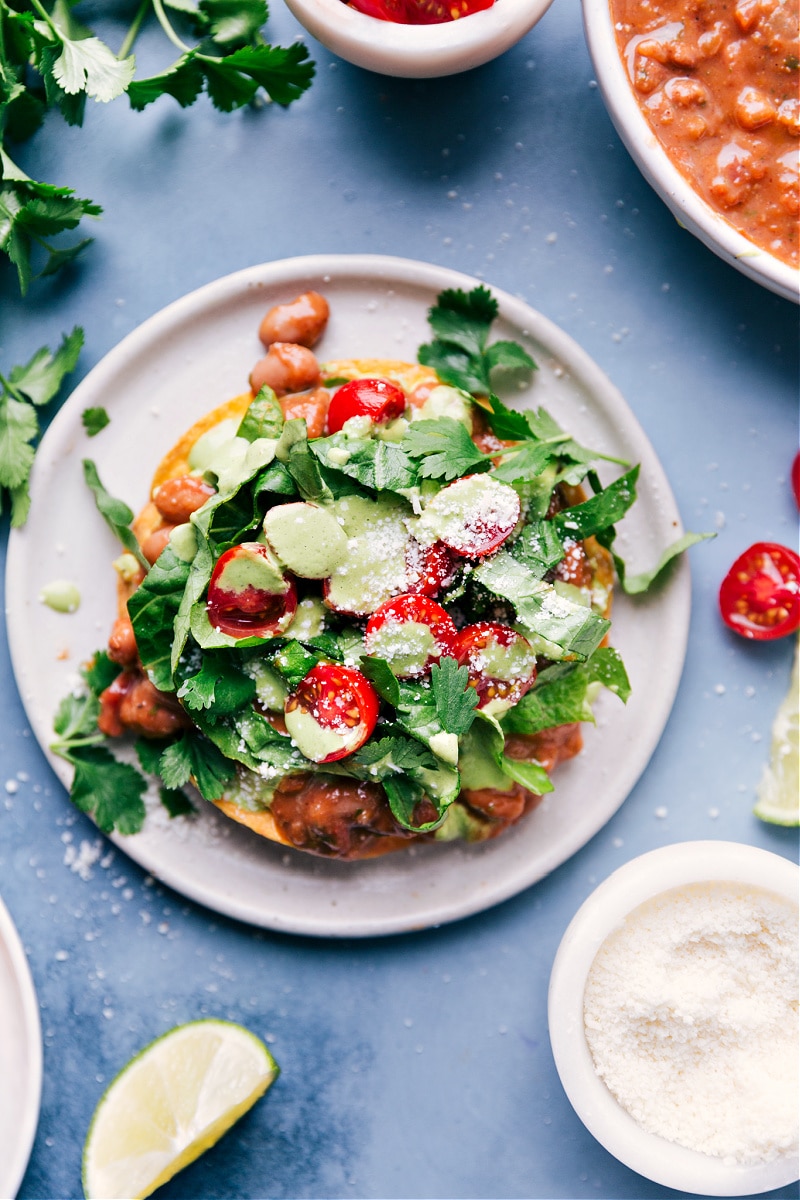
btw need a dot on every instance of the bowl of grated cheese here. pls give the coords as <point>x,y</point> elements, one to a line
<point>673,1017</point>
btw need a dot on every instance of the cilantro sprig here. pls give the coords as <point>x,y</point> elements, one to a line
<point>460,353</point>
<point>26,389</point>
<point>50,61</point>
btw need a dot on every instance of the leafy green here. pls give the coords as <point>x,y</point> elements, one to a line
<point>111,791</point>
<point>50,61</point>
<point>94,420</point>
<point>444,448</point>
<point>381,466</point>
<point>264,417</point>
<point>114,512</point>
<point>219,684</point>
<point>459,353</point>
<point>563,693</point>
<point>455,700</point>
<point>153,609</point>
<point>634,585</point>
<point>195,758</point>
<point>25,389</point>
<point>540,609</point>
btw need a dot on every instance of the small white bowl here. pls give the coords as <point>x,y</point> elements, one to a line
<point>674,189</point>
<point>418,51</point>
<point>674,866</point>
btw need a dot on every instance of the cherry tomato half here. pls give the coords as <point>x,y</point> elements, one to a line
<point>430,568</point>
<point>377,399</point>
<point>760,596</point>
<point>331,712</point>
<point>411,632</point>
<point>473,515</point>
<point>500,661</point>
<point>247,595</point>
<point>796,478</point>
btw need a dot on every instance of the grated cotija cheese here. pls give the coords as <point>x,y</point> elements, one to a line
<point>690,1013</point>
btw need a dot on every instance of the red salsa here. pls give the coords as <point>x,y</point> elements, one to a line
<point>718,83</point>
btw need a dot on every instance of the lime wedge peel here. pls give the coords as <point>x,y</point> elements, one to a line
<point>779,790</point>
<point>171,1102</point>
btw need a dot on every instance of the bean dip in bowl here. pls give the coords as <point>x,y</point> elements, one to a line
<point>418,51</point>
<point>705,97</point>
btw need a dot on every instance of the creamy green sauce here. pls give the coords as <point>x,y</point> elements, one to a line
<point>60,595</point>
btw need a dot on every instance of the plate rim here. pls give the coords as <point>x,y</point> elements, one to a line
<point>386,269</point>
<point>12,1173</point>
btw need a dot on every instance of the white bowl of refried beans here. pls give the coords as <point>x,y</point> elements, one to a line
<point>705,95</point>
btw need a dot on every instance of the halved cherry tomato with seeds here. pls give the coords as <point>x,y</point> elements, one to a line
<point>430,568</point>
<point>760,596</point>
<point>500,661</point>
<point>248,596</point>
<point>377,399</point>
<point>411,632</point>
<point>331,712</point>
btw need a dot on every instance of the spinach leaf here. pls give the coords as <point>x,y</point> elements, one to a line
<point>114,512</point>
<point>564,692</point>
<point>153,609</point>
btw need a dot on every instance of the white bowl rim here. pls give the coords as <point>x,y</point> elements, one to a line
<point>418,51</point>
<point>689,208</point>
<point>630,885</point>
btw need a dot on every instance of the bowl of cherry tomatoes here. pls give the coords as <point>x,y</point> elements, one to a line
<point>418,39</point>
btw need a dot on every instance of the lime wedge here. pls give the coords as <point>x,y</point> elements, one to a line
<point>170,1103</point>
<point>779,789</point>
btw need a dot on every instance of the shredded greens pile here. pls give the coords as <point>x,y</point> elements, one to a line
<point>411,750</point>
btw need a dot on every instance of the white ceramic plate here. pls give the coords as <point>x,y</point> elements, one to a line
<point>20,1058</point>
<point>184,361</point>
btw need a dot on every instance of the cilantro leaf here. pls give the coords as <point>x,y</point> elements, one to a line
<point>36,383</point>
<point>175,801</point>
<point>455,700</point>
<point>111,791</point>
<point>195,758</point>
<point>88,65</point>
<point>41,378</point>
<point>101,672</point>
<point>76,720</point>
<point>459,354</point>
<point>94,420</point>
<point>218,683</point>
<point>444,448</point>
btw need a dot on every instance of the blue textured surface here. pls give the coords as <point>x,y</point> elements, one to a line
<point>418,1066</point>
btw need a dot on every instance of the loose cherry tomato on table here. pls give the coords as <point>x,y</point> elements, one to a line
<point>500,661</point>
<point>377,399</point>
<point>411,632</point>
<point>796,478</point>
<point>760,596</point>
<point>331,712</point>
<point>248,596</point>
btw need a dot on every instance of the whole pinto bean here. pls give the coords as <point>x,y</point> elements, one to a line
<point>177,499</point>
<point>122,643</point>
<point>286,368</point>
<point>145,710</point>
<point>303,321</point>
<point>155,542</point>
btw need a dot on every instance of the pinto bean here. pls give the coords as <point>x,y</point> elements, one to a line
<point>147,711</point>
<point>177,499</point>
<point>287,367</point>
<point>303,321</point>
<point>311,406</point>
<point>122,644</point>
<point>155,542</point>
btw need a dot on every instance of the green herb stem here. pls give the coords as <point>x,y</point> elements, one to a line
<point>164,22</point>
<point>134,30</point>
